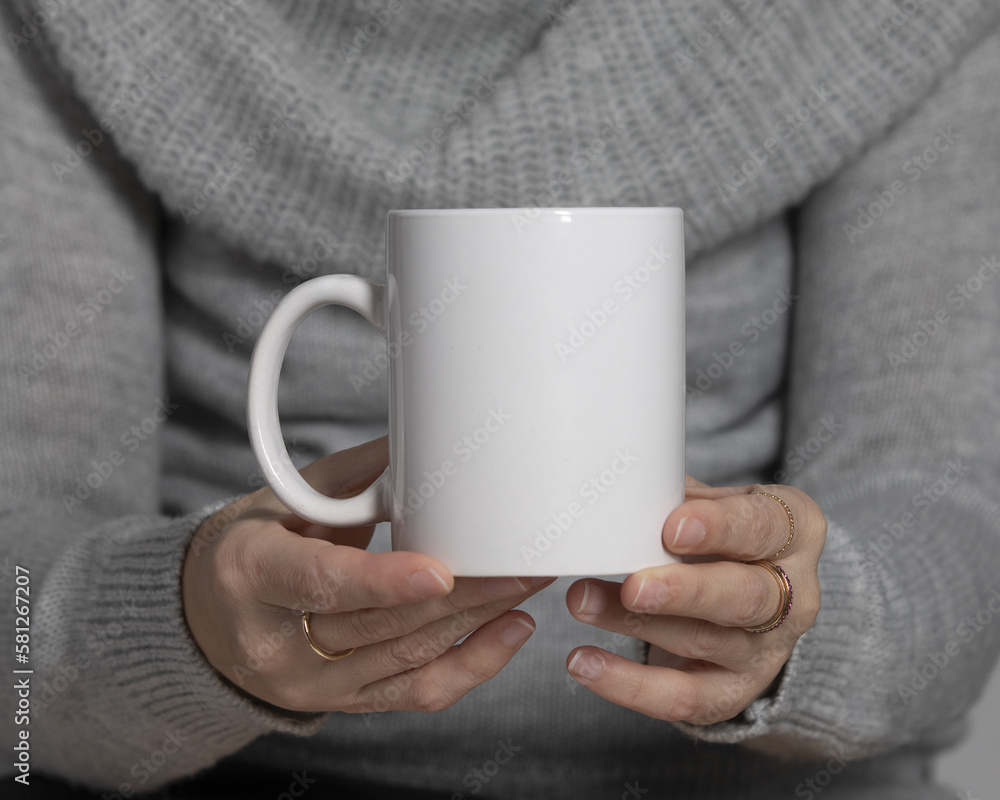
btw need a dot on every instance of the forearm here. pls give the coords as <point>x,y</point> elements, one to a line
<point>907,470</point>
<point>120,693</point>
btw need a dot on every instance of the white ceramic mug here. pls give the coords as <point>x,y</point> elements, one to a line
<point>536,381</point>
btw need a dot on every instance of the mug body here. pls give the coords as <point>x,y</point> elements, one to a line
<point>536,387</point>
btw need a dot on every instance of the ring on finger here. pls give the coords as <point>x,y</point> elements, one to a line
<point>785,585</point>
<point>340,654</point>
<point>791,521</point>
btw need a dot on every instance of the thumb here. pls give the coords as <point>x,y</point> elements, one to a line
<point>343,474</point>
<point>348,472</point>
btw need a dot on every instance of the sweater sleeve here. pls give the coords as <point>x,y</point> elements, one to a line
<point>894,396</point>
<point>119,693</point>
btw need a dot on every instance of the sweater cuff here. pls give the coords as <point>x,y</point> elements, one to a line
<point>212,706</point>
<point>152,671</point>
<point>793,720</point>
<point>235,709</point>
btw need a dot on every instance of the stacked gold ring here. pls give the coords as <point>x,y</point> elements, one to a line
<point>791,521</point>
<point>786,597</point>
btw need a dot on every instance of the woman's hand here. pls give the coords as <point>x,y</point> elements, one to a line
<point>253,566</point>
<point>703,667</point>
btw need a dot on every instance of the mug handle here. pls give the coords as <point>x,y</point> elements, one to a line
<point>264,427</point>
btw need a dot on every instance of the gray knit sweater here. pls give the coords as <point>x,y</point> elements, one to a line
<point>169,170</point>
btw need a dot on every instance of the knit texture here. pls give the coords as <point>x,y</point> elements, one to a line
<point>169,171</point>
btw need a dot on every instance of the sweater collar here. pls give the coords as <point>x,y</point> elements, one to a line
<point>280,125</point>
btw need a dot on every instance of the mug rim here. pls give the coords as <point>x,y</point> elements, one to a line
<point>588,210</point>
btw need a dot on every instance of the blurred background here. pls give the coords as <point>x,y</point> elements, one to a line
<point>973,768</point>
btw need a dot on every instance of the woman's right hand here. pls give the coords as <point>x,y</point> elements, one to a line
<point>253,566</point>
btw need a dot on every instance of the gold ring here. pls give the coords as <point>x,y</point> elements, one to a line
<point>791,521</point>
<point>786,597</point>
<point>316,648</point>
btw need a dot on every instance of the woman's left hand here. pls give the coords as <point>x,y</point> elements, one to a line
<point>703,666</point>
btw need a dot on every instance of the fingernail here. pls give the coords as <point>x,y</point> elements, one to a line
<point>594,600</point>
<point>504,587</point>
<point>427,583</point>
<point>651,595</point>
<point>583,665</point>
<point>541,580</point>
<point>690,531</point>
<point>517,632</point>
